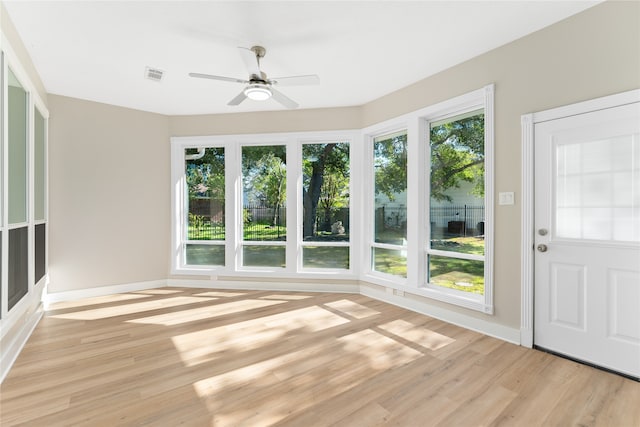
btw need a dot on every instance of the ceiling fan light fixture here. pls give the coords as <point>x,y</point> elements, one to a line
<point>258,92</point>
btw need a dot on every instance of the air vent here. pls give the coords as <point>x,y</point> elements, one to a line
<point>153,74</point>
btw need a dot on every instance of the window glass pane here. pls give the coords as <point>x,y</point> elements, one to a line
<point>204,170</point>
<point>464,275</point>
<point>325,192</point>
<point>17,127</point>
<point>204,254</point>
<point>39,172</point>
<point>390,261</point>
<point>390,166</point>
<point>263,256</point>
<point>325,257</point>
<point>456,208</point>
<point>264,195</point>
<point>40,251</point>
<point>18,265</point>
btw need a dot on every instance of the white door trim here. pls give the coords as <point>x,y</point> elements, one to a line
<point>528,122</point>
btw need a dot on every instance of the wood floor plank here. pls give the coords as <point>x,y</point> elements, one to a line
<point>202,357</point>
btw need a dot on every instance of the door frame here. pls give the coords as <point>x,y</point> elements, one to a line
<point>528,122</point>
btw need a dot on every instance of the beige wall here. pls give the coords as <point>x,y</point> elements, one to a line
<point>106,231</point>
<point>109,201</point>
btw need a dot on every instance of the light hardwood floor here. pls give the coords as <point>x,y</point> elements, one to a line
<point>175,356</point>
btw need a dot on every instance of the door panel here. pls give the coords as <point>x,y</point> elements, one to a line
<point>587,266</point>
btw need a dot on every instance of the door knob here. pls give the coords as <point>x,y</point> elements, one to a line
<point>542,247</point>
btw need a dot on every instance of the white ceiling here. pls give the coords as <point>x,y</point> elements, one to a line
<point>98,50</point>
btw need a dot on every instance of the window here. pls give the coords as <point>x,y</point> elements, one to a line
<point>456,203</point>
<point>205,232</point>
<point>264,210</point>
<point>325,205</point>
<point>18,189</point>
<point>459,200</point>
<point>389,246</point>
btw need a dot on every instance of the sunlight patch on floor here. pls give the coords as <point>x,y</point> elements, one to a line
<point>298,379</point>
<point>286,297</point>
<point>207,312</point>
<point>120,310</point>
<point>220,294</point>
<point>106,299</point>
<point>208,344</point>
<point>417,334</point>
<point>379,351</point>
<point>160,291</point>
<point>352,309</point>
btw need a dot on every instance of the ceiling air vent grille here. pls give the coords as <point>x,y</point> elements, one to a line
<point>153,74</point>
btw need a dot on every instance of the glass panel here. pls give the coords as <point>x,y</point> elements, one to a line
<point>390,261</point>
<point>325,192</point>
<point>598,189</point>
<point>461,274</point>
<point>263,256</point>
<point>39,172</point>
<point>40,251</point>
<point>325,257</point>
<point>456,206</point>
<point>205,254</point>
<point>264,195</point>
<point>17,127</point>
<point>390,165</point>
<point>204,172</point>
<point>18,265</point>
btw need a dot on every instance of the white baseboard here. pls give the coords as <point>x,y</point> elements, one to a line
<point>11,350</point>
<point>256,285</point>
<point>103,290</point>
<point>491,329</point>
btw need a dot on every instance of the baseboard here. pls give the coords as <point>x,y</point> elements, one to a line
<point>254,285</point>
<point>491,329</point>
<point>11,351</point>
<point>103,290</point>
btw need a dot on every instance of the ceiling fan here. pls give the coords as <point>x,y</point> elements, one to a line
<point>259,87</point>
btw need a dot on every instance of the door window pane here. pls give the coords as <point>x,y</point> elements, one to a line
<point>17,129</point>
<point>39,172</point>
<point>597,189</point>
<point>40,251</point>
<point>18,265</point>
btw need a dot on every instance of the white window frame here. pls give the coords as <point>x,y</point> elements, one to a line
<point>417,125</point>
<point>387,129</point>
<point>300,209</point>
<point>478,100</point>
<point>233,194</point>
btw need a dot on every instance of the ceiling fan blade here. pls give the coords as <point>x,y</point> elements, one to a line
<point>310,79</point>
<point>212,77</point>
<point>250,61</point>
<point>238,99</point>
<point>283,99</point>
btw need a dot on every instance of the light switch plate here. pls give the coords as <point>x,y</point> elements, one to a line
<point>506,198</point>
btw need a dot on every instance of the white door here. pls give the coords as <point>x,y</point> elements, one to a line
<point>587,237</point>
